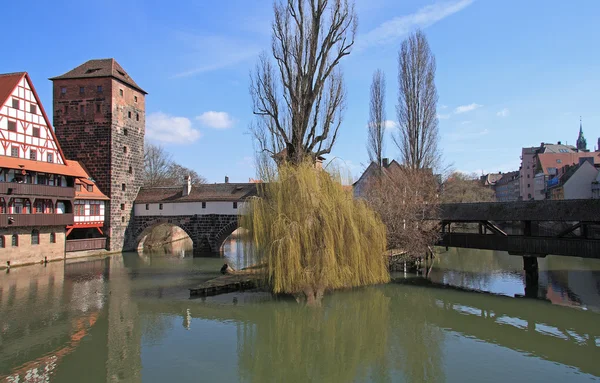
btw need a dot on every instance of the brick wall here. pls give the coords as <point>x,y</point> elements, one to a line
<point>25,252</point>
<point>107,137</point>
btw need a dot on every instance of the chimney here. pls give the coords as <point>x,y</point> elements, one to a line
<point>187,185</point>
<point>386,162</point>
<point>226,179</point>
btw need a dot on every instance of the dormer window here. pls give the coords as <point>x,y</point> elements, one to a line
<point>78,187</point>
<point>90,188</point>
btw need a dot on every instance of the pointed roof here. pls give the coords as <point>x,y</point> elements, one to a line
<point>8,83</point>
<point>100,68</point>
<point>581,141</point>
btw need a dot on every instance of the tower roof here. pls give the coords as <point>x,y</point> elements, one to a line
<point>100,68</point>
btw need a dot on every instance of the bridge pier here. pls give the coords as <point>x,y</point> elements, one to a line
<point>530,265</point>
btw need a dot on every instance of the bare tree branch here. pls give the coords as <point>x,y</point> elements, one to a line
<point>377,118</point>
<point>417,138</point>
<point>299,102</point>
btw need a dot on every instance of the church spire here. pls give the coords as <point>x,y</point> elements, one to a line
<point>581,142</point>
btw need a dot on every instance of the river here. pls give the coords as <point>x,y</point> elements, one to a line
<point>128,318</point>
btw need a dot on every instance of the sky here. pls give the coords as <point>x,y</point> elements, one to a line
<point>510,73</point>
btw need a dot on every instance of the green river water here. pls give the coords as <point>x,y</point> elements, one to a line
<point>129,318</point>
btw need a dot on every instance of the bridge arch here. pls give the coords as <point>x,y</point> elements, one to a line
<point>225,232</point>
<point>144,231</point>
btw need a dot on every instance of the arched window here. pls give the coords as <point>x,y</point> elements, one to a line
<point>35,237</point>
<point>15,240</point>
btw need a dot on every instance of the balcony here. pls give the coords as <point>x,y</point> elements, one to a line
<point>85,244</point>
<point>20,189</point>
<point>25,220</point>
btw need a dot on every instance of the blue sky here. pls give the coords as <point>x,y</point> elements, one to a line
<point>510,73</point>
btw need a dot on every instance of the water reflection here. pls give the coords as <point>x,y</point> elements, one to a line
<point>128,318</point>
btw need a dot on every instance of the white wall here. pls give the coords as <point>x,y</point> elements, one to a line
<point>579,186</point>
<point>87,218</point>
<point>187,208</point>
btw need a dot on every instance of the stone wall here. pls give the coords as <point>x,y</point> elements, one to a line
<point>206,231</point>
<point>108,139</point>
<point>25,252</point>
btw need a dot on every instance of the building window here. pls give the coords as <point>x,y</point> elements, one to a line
<point>235,205</point>
<point>52,237</point>
<point>134,98</point>
<point>95,209</point>
<point>122,219</point>
<point>129,114</point>
<point>125,132</point>
<point>203,205</point>
<point>528,176</point>
<point>15,240</point>
<point>63,90</point>
<point>35,132</point>
<point>81,90</point>
<point>123,187</point>
<point>35,237</point>
<point>50,157</point>
<point>559,161</point>
<point>16,103</point>
<point>81,109</point>
<point>80,209</point>
<point>90,188</point>
<point>97,108</point>
<point>160,206</point>
<point>12,126</point>
<point>122,206</point>
<point>33,155</point>
<point>99,89</point>
<point>125,149</point>
<point>121,92</point>
<point>528,185</point>
<point>14,151</point>
<point>2,245</point>
<point>137,116</point>
<point>147,206</point>
<point>32,109</point>
<point>78,187</point>
<point>130,170</point>
<point>66,109</point>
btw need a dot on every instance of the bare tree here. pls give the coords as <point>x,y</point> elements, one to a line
<point>377,118</point>
<point>300,98</point>
<point>156,164</point>
<point>463,188</point>
<point>417,138</point>
<point>161,170</point>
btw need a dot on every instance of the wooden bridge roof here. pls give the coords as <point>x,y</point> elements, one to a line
<point>199,193</point>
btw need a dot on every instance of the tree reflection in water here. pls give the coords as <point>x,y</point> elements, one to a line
<point>355,336</point>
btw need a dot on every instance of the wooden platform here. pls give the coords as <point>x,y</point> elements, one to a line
<point>226,284</point>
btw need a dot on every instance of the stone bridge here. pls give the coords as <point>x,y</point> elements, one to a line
<point>207,232</point>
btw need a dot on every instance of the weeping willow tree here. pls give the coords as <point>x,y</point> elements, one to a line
<point>312,235</point>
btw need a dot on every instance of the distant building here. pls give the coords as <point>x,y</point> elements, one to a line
<point>508,187</point>
<point>575,182</point>
<point>581,142</point>
<point>359,187</point>
<point>489,180</point>
<point>551,166</point>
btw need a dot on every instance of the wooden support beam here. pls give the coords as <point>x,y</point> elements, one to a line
<point>495,229</point>
<point>568,230</point>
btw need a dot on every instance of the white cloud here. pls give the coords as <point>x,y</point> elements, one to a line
<point>465,122</point>
<point>392,30</point>
<point>443,116</point>
<point>388,124</point>
<point>466,108</point>
<point>216,120</point>
<point>503,113</point>
<point>162,127</point>
<point>212,52</point>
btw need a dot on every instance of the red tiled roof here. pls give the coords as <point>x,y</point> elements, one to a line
<point>550,160</point>
<point>8,83</point>
<point>202,192</point>
<point>69,169</point>
<point>95,194</point>
<point>100,68</point>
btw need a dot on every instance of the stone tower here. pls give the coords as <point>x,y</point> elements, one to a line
<point>99,120</point>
